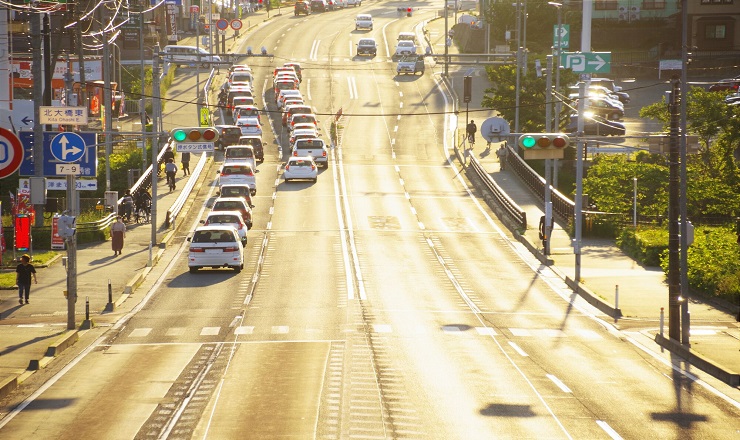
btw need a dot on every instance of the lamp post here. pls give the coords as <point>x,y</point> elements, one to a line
<point>556,63</point>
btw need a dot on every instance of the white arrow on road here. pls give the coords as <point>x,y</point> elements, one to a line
<point>65,150</point>
<point>599,63</point>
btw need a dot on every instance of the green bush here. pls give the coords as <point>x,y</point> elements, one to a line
<point>644,244</point>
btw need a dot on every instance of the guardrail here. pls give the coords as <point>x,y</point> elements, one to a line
<point>176,207</point>
<point>98,225</point>
<point>562,207</point>
<point>511,209</point>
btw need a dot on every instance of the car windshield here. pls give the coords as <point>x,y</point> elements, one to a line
<point>406,44</point>
<point>214,236</point>
<point>367,43</point>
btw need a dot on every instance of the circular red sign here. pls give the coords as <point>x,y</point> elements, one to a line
<point>194,9</point>
<point>11,153</point>
<point>222,24</point>
<point>236,24</point>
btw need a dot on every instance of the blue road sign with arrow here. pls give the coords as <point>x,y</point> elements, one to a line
<point>67,147</point>
<point>87,158</point>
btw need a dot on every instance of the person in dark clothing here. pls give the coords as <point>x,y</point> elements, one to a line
<point>168,154</point>
<point>185,159</point>
<point>471,129</point>
<point>23,274</point>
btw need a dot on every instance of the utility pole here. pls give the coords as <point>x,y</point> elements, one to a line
<point>72,210</point>
<point>685,317</point>
<point>674,275</point>
<point>155,138</point>
<point>448,39</point>
<point>518,63</point>
<point>108,129</point>
<point>38,129</point>
<point>142,99</point>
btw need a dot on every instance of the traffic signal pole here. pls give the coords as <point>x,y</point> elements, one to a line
<point>155,139</point>
<point>579,183</point>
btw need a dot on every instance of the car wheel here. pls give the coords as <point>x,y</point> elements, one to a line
<point>193,269</point>
<point>314,180</point>
<point>615,116</point>
<point>237,269</point>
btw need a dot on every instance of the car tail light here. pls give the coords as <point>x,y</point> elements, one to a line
<point>196,249</point>
<point>313,167</point>
<point>295,153</point>
<point>231,249</point>
<point>287,167</point>
<point>323,153</point>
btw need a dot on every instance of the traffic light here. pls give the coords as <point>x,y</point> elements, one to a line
<point>194,135</point>
<point>543,145</point>
<point>66,226</point>
<point>408,12</point>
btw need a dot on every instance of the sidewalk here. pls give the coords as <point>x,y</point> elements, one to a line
<point>31,335</point>
<point>643,291</point>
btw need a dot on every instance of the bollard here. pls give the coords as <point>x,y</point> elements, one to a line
<point>149,263</point>
<point>616,296</point>
<point>109,307</point>
<point>662,320</point>
<point>87,324</point>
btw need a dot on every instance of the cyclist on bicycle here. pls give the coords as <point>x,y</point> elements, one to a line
<point>170,169</point>
<point>143,202</point>
<point>471,129</point>
<point>128,205</point>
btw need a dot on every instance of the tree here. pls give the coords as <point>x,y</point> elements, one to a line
<point>501,96</point>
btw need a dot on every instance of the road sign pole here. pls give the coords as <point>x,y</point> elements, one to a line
<point>71,253</point>
<point>579,182</point>
<point>155,139</point>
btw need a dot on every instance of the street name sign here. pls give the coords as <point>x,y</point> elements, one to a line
<point>63,115</point>
<point>587,62</point>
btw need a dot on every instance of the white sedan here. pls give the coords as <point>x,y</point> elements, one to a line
<point>215,247</point>
<point>405,47</point>
<point>301,167</point>
<point>249,125</point>
<point>228,218</point>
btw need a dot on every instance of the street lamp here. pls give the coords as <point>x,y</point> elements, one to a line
<point>556,63</point>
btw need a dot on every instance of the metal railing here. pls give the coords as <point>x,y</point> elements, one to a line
<point>511,209</point>
<point>562,207</point>
<point>176,207</point>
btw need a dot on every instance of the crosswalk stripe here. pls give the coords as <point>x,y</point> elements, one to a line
<point>244,330</point>
<point>140,332</point>
<point>280,329</point>
<point>175,331</point>
<point>520,332</point>
<point>210,331</point>
<point>486,331</point>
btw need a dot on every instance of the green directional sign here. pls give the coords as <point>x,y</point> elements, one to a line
<point>587,62</point>
<point>561,40</point>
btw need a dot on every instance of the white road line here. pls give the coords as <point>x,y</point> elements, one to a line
<point>210,331</point>
<point>140,332</point>
<point>308,89</point>
<point>244,330</point>
<point>518,349</point>
<point>486,331</point>
<point>608,429</point>
<point>280,329</point>
<point>559,383</point>
<point>175,331</point>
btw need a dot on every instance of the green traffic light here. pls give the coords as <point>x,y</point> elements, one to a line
<point>528,142</point>
<point>179,135</point>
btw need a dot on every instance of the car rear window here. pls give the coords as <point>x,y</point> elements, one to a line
<point>232,152</point>
<point>215,236</point>
<point>251,141</point>
<point>234,191</point>
<point>236,169</point>
<point>223,219</point>
<point>300,163</point>
<point>228,206</point>
<point>309,143</point>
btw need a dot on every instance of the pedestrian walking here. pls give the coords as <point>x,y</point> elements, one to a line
<point>23,274</point>
<point>185,159</point>
<point>117,234</point>
<point>501,153</point>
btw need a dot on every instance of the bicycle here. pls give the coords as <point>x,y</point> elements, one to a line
<point>471,140</point>
<point>142,213</point>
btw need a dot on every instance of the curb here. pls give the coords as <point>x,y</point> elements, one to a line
<point>719,371</point>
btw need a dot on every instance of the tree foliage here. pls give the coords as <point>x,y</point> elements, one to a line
<point>501,96</point>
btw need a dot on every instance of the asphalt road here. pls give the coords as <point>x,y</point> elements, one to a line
<point>383,301</point>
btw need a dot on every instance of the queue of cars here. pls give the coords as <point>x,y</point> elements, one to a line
<point>220,241</point>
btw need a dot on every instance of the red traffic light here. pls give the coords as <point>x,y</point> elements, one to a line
<point>408,10</point>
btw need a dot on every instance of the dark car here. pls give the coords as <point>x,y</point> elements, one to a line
<point>318,6</point>
<point>367,46</point>
<point>256,143</point>
<point>227,135</point>
<point>597,126</point>
<point>726,85</point>
<point>302,8</point>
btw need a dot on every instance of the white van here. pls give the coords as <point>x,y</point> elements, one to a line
<point>184,55</point>
<point>364,21</point>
